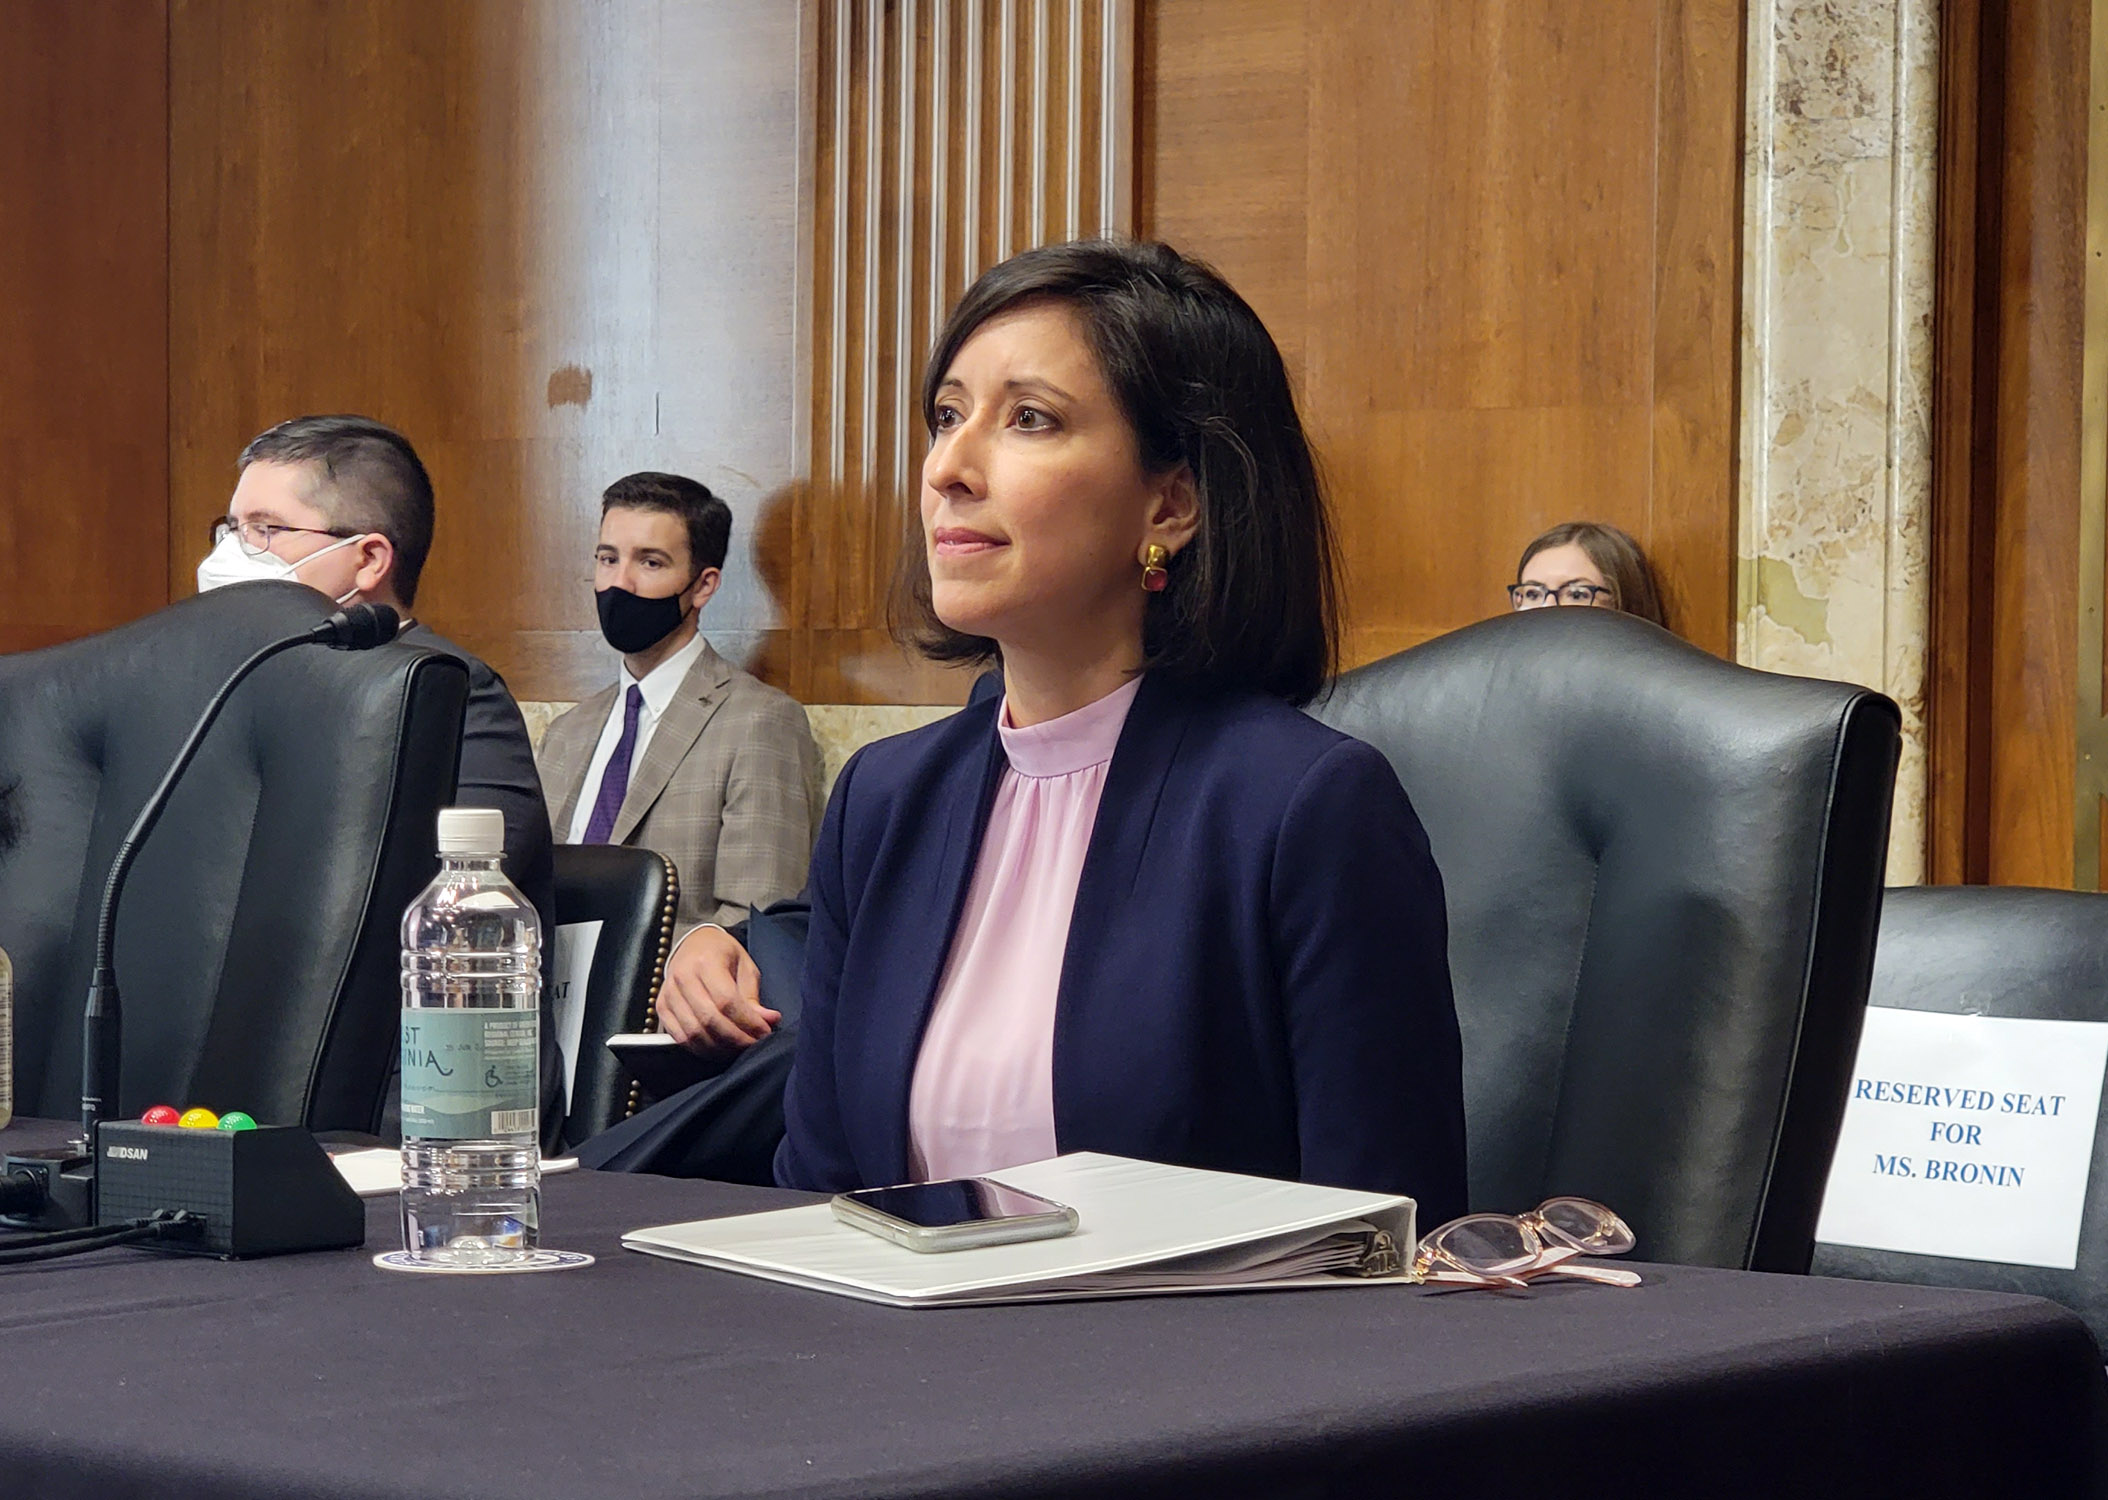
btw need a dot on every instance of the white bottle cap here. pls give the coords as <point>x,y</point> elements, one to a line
<point>471,831</point>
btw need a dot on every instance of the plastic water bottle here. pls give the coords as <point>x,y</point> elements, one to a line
<point>472,967</point>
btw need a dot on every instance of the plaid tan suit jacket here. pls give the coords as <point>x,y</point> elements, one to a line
<point>728,788</point>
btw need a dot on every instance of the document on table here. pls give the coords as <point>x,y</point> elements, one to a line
<point>1144,1228</point>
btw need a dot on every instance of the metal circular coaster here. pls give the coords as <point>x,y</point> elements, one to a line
<point>537,1260</point>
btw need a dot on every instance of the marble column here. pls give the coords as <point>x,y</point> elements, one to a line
<point>1840,148</point>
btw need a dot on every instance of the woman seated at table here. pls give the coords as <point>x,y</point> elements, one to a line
<point>1587,562</point>
<point>1135,903</point>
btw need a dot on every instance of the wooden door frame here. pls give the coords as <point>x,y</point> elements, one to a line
<point>1967,226</point>
<point>2005,656</point>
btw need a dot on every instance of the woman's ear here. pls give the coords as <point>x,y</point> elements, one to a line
<point>1175,515</point>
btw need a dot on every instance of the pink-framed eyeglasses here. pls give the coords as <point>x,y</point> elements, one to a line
<point>1513,1250</point>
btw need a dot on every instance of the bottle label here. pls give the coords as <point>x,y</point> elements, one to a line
<point>468,1074</point>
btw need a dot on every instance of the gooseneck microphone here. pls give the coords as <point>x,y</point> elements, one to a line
<point>358,628</point>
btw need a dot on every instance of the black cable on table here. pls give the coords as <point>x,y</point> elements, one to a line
<point>21,1192</point>
<point>17,1240</point>
<point>163,1226</point>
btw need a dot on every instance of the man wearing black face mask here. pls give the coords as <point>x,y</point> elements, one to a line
<point>684,753</point>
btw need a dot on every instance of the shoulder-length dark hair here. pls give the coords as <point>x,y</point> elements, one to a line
<point>1616,556</point>
<point>1253,598</point>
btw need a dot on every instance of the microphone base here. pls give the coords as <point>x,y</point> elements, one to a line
<point>268,1191</point>
<point>68,1179</point>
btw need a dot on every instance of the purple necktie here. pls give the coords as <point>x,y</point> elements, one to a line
<point>614,782</point>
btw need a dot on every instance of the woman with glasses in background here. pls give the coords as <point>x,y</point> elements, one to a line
<point>1587,563</point>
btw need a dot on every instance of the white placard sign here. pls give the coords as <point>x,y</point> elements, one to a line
<point>570,967</point>
<point>1967,1136</point>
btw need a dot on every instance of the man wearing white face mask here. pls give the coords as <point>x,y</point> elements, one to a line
<point>343,504</point>
<point>241,552</point>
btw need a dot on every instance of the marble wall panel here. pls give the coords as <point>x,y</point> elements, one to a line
<point>1842,138</point>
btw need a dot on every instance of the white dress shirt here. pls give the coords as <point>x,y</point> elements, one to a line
<point>658,686</point>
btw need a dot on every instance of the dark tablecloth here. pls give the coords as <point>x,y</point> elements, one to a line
<point>131,1374</point>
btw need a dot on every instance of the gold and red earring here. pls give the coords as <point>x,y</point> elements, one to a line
<point>1154,578</point>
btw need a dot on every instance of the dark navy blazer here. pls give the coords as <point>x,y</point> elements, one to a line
<point>1256,977</point>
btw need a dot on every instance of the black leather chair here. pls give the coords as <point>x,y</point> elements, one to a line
<point>1663,875</point>
<point>633,894</point>
<point>258,941</point>
<point>1998,951</point>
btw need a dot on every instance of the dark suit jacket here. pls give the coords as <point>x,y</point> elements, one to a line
<point>1256,977</point>
<point>497,770</point>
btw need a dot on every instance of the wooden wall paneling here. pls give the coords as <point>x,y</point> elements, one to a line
<point>2092,708</point>
<point>1480,304</point>
<point>345,238</point>
<point>2034,657</point>
<point>1698,238</point>
<point>1526,317</point>
<point>553,243</point>
<point>593,126</point>
<point>1223,153</point>
<point>946,137</point>
<point>493,224</point>
<point>1965,331</point>
<point>84,333</point>
<point>665,195</point>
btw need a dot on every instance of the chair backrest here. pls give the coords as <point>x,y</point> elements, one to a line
<point>1663,875</point>
<point>632,894</point>
<point>258,940</point>
<point>1998,951</point>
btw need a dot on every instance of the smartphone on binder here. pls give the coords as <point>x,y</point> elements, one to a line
<point>959,1213</point>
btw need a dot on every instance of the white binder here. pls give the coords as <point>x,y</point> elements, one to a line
<point>1144,1229</point>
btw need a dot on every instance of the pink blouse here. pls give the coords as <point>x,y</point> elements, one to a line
<point>983,1092</point>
